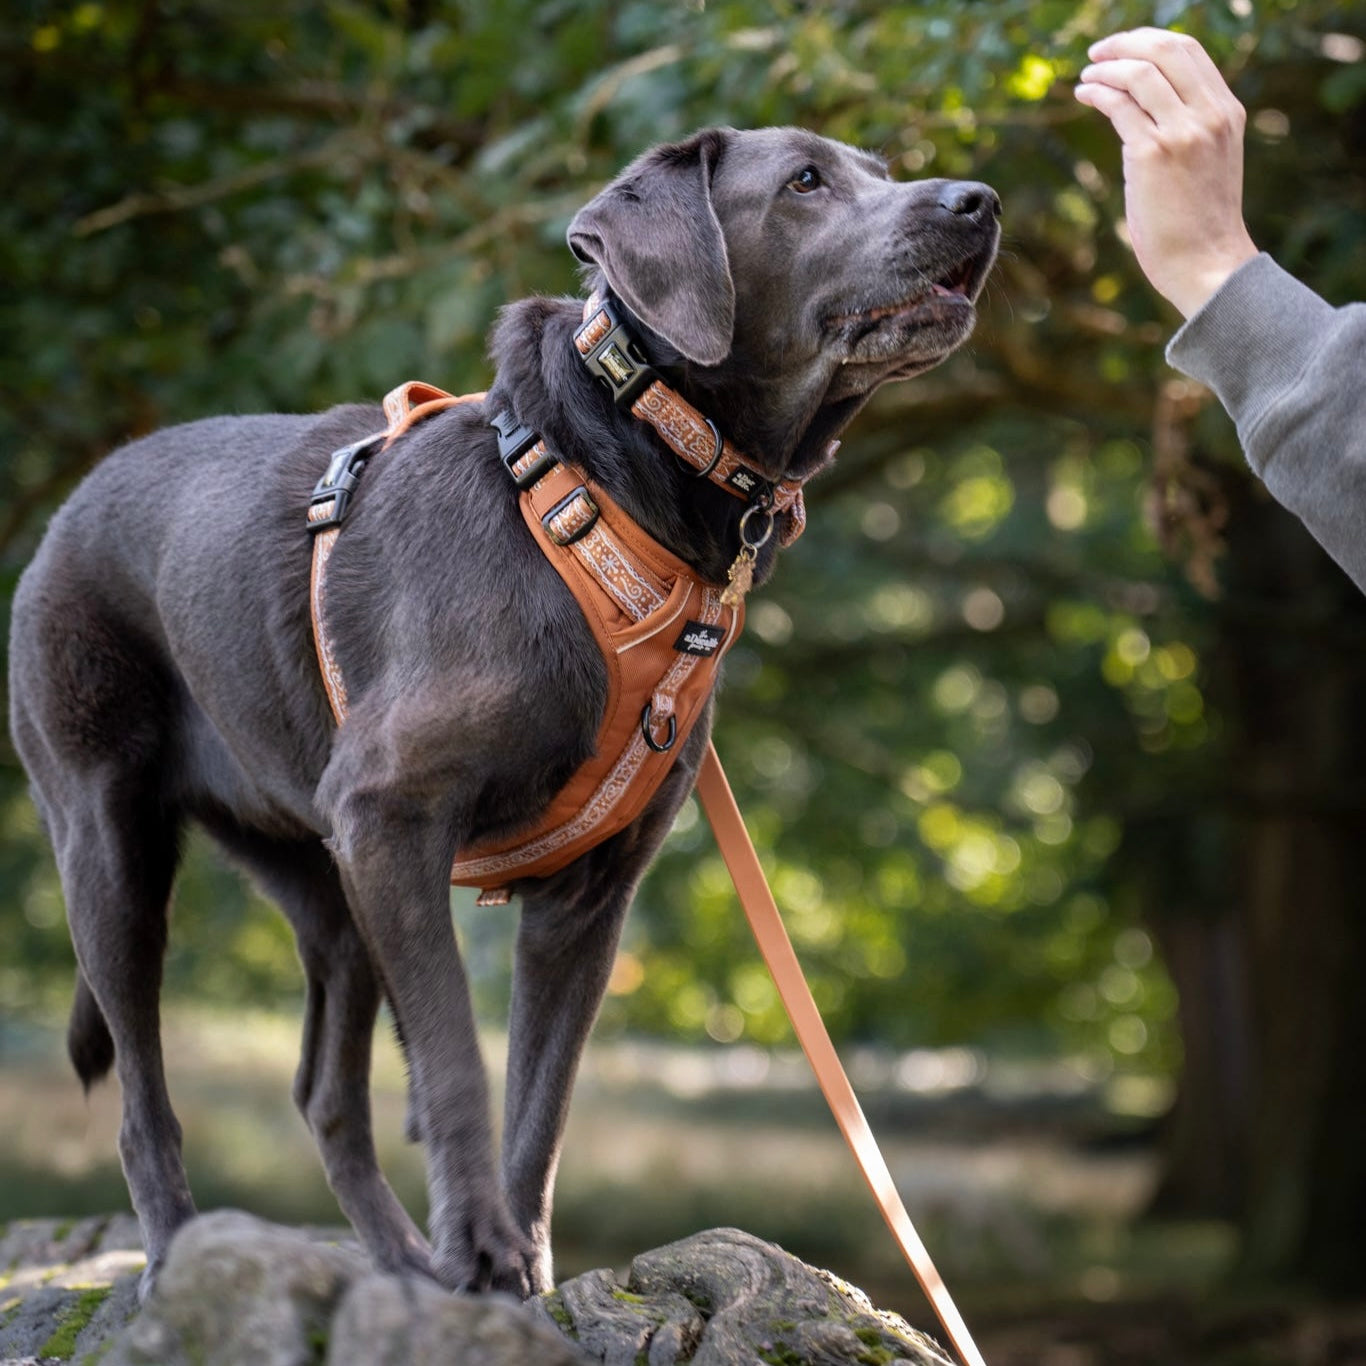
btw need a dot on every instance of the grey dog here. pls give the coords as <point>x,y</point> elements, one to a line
<point>162,668</point>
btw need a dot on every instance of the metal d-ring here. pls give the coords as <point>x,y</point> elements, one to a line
<point>716,452</point>
<point>744,525</point>
<point>650,739</point>
<point>715,455</point>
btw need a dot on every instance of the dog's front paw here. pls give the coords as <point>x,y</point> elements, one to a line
<point>147,1282</point>
<point>528,1275</point>
<point>406,1257</point>
<point>491,1254</point>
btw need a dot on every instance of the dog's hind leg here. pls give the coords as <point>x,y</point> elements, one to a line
<point>332,1085</point>
<point>117,855</point>
<point>92,712</point>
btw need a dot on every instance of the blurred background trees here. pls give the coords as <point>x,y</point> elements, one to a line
<point>1049,728</point>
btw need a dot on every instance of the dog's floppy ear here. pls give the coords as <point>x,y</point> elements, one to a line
<point>654,234</point>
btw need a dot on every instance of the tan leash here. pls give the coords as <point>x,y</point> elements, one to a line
<point>737,849</point>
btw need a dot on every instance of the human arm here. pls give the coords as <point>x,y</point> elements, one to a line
<point>1291,371</point>
<point>1289,368</point>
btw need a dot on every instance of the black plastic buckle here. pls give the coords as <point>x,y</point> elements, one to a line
<point>560,537</point>
<point>339,482</point>
<point>617,360</point>
<point>515,439</point>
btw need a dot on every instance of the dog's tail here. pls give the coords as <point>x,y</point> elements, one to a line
<point>88,1040</point>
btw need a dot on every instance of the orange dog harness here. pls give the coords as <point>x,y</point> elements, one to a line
<point>661,628</point>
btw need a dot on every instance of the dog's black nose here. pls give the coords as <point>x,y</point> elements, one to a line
<point>970,199</point>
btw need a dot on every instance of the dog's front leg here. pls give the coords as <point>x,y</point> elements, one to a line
<point>564,958</point>
<point>394,851</point>
<point>566,944</point>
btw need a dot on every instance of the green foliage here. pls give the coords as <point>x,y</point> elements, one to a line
<point>970,689</point>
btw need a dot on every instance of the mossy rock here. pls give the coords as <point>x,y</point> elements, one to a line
<point>726,1298</point>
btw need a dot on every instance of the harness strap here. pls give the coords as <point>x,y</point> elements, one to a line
<point>661,630</point>
<point>403,406</point>
<point>767,924</point>
<point>642,604</point>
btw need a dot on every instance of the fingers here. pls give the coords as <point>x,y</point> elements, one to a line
<point>1169,76</point>
<point>1189,69</point>
<point>1147,85</point>
<point>1130,121</point>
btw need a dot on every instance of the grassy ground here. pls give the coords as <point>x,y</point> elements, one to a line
<point>1024,1184</point>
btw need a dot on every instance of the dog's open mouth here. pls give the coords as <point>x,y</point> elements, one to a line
<point>954,285</point>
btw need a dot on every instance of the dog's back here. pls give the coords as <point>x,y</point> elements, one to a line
<point>152,565</point>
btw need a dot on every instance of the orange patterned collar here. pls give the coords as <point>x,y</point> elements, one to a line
<point>614,357</point>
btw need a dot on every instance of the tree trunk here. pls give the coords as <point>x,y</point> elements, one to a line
<point>1270,1125</point>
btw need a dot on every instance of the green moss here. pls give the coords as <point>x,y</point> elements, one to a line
<point>874,1338</point>
<point>72,1318</point>
<point>63,1230</point>
<point>627,1297</point>
<point>698,1299</point>
<point>317,1344</point>
<point>781,1356</point>
<point>554,1303</point>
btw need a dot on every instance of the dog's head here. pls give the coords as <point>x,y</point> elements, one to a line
<point>790,273</point>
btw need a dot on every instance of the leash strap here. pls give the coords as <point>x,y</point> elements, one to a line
<point>762,912</point>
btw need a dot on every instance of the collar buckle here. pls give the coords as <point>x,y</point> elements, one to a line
<point>613,355</point>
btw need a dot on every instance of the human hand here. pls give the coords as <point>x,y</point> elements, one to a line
<point>1182,131</point>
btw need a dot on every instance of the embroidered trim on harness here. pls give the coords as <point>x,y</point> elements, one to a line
<point>327,656</point>
<point>527,460</point>
<point>627,584</point>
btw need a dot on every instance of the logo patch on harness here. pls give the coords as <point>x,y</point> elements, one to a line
<point>699,639</point>
<point>744,480</point>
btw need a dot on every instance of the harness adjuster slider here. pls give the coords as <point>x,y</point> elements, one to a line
<point>616,359</point>
<point>339,483</point>
<point>572,518</point>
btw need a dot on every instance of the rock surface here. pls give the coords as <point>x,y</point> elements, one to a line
<point>723,1298</point>
<point>237,1290</point>
<point>66,1288</point>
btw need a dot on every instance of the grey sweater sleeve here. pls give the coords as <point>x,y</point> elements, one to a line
<point>1291,371</point>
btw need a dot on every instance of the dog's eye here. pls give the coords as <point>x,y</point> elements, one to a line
<point>806,180</point>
